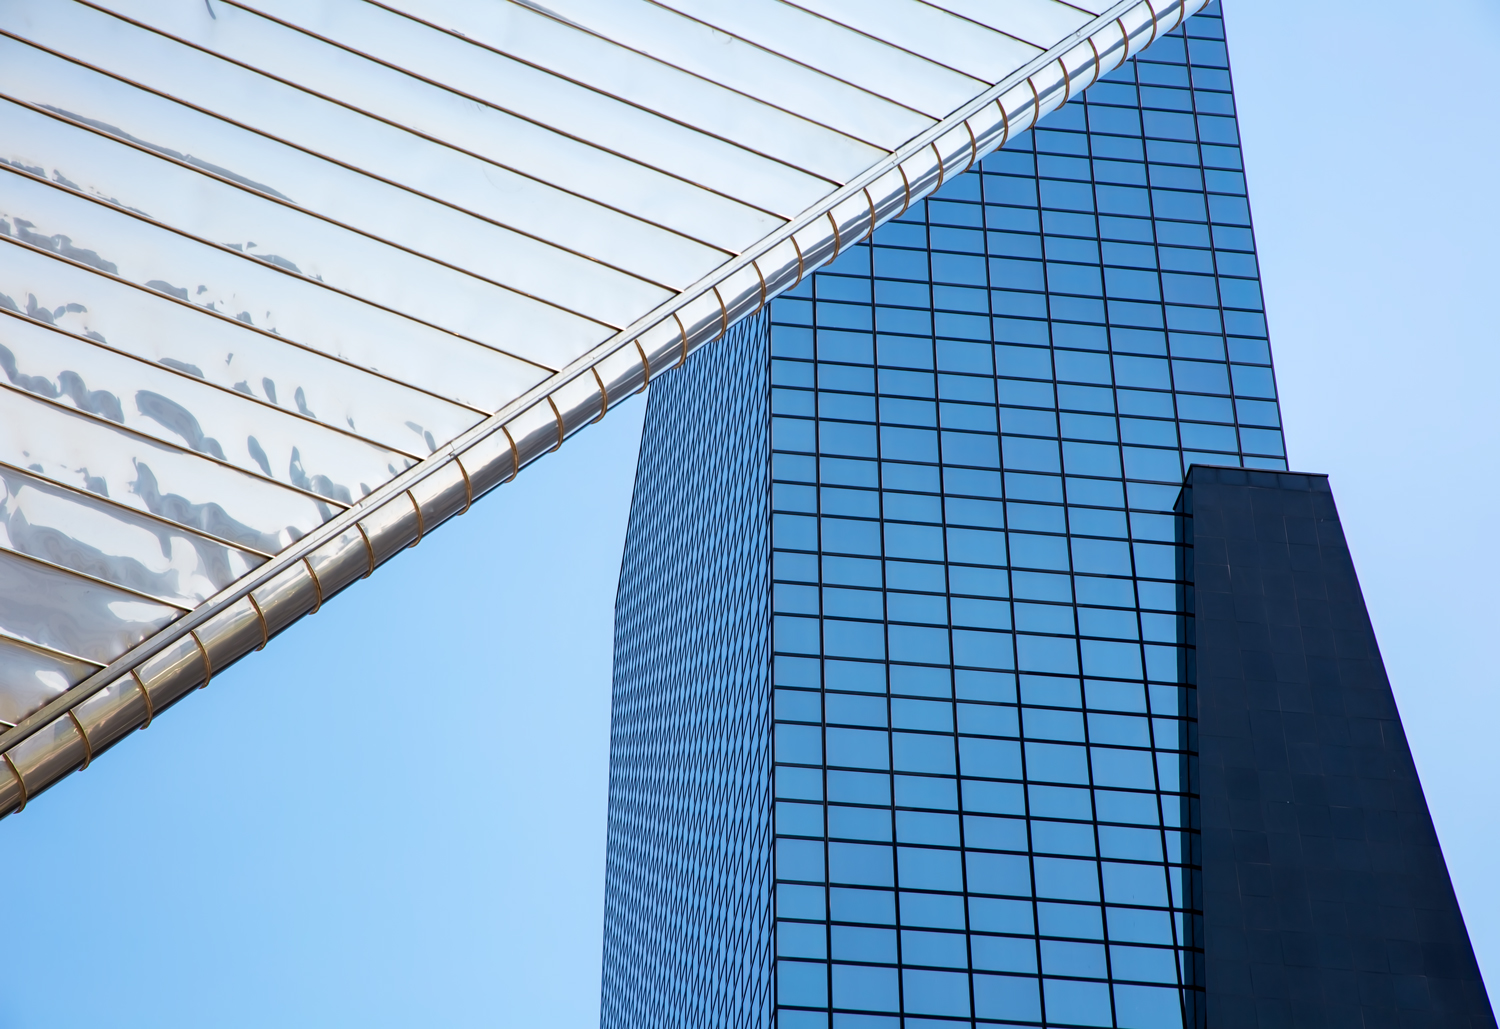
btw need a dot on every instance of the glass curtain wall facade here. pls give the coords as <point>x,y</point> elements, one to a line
<point>978,426</point>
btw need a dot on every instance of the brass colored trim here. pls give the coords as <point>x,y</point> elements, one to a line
<point>723,313</point>
<point>1036,103</point>
<point>179,605</point>
<point>682,331</point>
<point>838,239</point>
<point>208,666</point>
<point>786,57</point>
<point>519,60</point>
<point>761,276</point>
<point>332,160</point>
<point>156,294</point>
<point>1067,80</point>
<point>797,247</point>
<point>469,483</point>
<point>265,630</point>
<point>41,648</point>
<point>973,146</point>
<point>317,586</point>
<point>942,172</point>
<point>515,455</point>
<point>906,191</point>
<point>421,529</point>
<point>603,404</point>
<point>655,58</point>
<point>88,745</point>
<point>1098,61</point>
<point>1120,21</point>
<point>20,781</point>
<point>167,444</point>
<point>19,316</point>
<point>342,291</point>
<point>369,548</point>
<point>109,501</point>
<point>871,201</point>
<point>646,361</point>
<point>896,46</point>
<point>150,707</point>
<point>558,414</point>
<point>1155,23</point>
<point>1004,122</point>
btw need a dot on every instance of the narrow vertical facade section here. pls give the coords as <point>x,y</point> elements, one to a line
<point>1325,895</point>
<point>687,932</point>
<point>981,420</point>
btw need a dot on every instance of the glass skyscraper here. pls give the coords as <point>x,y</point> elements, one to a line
<point>904,726</point>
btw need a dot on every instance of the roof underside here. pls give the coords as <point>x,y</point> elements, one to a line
<point>284,284</point>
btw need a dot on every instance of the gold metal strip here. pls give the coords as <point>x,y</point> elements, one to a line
<point>838,239</point>
<point>265,630</point>
<point>468,483</point>
<point>208,666</point>
<point>1067,81</point>
<point>973,146</point>
<point>942,172</point>
<point>145,693</point>
<point>655,58</point>
<point>515,455</point>
<point>157,294</point>
<point>41,648</point>
<point>85,576</point>
<point>1098,61</point>
<point>88,745</point>
<point>369,549</point>
<point>797,247</point>
<point>723,313</point>
<point>646,361</point>
<point>1036,103</point>
<point>603,398</point>
<point>214,385</point>
<point>21,781</point>
<point>335,161</point>
<point>186,529</point>
<point>906,190</point>
<point>1155,23</point>
<point>558,414</point>
<point>1124,32</point>
<point>167,444</point>
<point>1004,123</point>
<point>420,528</point>
<point>761,276</point>
<point>871,201</point>
<point>476,99</point>
<point>683,330</point>
<point>342,291</point>
<point>317,586</point>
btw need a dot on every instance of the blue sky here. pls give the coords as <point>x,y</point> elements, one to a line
<point>395,815</point>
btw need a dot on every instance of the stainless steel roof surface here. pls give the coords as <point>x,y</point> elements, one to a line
<point>284,284</point>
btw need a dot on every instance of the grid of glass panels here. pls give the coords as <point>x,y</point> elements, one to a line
<point>980,424</point>
<point>687,933</point>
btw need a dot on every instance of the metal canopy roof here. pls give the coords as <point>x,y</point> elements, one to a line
<point>284,284</point>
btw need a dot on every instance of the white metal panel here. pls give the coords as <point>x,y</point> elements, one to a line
<point>284,285</point>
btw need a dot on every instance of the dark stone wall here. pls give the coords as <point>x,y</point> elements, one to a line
<point>1326,899</point>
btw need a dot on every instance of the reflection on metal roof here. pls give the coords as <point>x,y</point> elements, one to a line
<point>284,284</point>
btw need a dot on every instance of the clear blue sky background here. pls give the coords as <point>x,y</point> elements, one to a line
<point>395,815</point>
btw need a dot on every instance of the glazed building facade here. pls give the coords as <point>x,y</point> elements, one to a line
<point>907,698</point>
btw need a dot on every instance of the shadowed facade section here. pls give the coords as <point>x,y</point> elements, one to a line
<point>1326,899</point>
